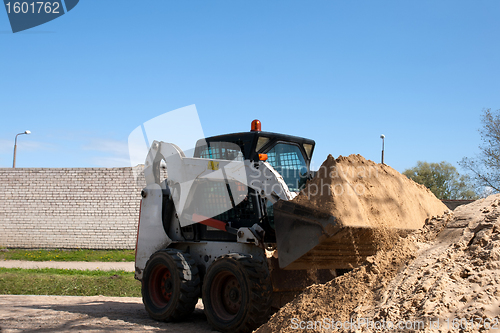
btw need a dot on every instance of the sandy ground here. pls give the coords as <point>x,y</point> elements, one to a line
<point>87,314</point>
<point>442,278</point>
<point>84,314</point>
<point>83,265</point>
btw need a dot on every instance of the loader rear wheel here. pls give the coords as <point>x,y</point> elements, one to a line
<point>171,285</point>
<point>237,293</point>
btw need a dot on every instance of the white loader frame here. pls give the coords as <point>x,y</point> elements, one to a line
<point>181,173</point>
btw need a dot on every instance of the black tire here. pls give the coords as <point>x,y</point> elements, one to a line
<point>237,293</point>
<point>170,286</point>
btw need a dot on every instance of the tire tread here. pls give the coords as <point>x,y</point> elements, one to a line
<point>257,274</point>
<point>189,288</point>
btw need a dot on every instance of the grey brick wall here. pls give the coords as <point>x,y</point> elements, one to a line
<point>92,208</point>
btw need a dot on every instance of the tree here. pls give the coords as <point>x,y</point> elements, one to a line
<point>486,165</point>
<point>443,180</point>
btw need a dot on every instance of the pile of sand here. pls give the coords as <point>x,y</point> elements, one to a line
<point>439,278</point>
<point>360,192</point>
<point>454,276</point>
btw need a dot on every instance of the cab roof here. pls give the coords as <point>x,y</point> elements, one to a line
<point>248,141</point>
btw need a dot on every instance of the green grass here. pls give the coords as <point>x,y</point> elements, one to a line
<point>50,281</point>
<point>67,255</point>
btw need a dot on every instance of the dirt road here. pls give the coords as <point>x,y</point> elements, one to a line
<point>87,314</point>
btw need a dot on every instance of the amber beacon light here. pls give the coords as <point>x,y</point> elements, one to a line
<point>256,126</point>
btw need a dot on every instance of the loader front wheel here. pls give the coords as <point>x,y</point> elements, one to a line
<point>170,287</point>
<point>237,293</point>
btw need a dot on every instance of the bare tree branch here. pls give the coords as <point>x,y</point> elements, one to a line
<point>486,165</point>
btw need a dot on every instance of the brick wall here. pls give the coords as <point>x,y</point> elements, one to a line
<point>93,208</point>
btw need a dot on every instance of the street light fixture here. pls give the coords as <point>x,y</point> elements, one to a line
<point>15,146</point>
<point>382,137</point>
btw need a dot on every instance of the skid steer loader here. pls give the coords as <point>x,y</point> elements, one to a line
<point>222,226</point>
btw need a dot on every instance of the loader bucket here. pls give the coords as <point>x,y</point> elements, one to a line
<point>309,239</point>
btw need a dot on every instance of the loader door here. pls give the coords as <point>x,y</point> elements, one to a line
<point>244,214</point>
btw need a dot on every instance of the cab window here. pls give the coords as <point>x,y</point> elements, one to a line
<point>287,159</point>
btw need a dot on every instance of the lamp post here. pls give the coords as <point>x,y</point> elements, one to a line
<point>382,137</point>
<point>15,147</point>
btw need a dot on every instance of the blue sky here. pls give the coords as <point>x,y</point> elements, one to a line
<point>338,72</point>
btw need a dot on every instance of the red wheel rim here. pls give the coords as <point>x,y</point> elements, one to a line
<point>226,295</point>
<point>161,285</point>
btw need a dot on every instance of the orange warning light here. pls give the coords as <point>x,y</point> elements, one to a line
<point>256,126</point>
<point>262,157</point>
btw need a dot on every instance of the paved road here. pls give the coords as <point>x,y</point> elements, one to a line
<point>83,265</point>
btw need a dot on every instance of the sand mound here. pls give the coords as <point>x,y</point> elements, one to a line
<point>360,192</point>
<point>443,277</point>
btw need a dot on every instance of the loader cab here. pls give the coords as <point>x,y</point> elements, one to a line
<point>289,155</point>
